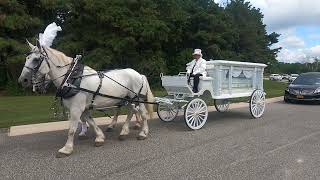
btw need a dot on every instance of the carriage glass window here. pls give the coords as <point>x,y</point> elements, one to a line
<point>242,79</point>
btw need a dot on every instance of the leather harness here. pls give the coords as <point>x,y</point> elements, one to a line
<point>70,86</point>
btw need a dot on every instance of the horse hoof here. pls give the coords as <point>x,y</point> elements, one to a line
<point>109,129</point>
<point>83,137</point>
<point>61,155</point>
<point>98,144</point>
<point>122,137</point>
<point>141,137</point>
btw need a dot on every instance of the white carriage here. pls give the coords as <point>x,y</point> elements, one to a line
<point>225,80</point>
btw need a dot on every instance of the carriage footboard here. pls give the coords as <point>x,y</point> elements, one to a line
<point>169,101</point>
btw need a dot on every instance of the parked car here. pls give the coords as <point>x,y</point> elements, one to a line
<point>293,77</point>
<point>285,76</point>
<point>275,77</point>
<point>305,87</point>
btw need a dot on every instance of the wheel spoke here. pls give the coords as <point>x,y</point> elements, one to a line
<point>255,111</point>
<point>202,115</point>
<point>189,115</point>
<point>198,122</point>
<point>197,106</point>
<point>203,108</point>
<point>168,115</point>
<point>190,120</point>
<point>202,112</point>
<point>172,114</point>
<point>195,122</point>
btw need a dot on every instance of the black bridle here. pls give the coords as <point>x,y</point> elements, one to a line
<point>35,70</point>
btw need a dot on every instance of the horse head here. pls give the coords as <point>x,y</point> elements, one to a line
<point>33,63</point>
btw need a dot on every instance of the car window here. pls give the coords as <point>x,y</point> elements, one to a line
<point>309,79</point>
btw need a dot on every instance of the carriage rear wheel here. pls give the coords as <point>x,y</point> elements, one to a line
<point>221,105</point>
<point>257,103</point>
<point>167,112</point>
<point>196,114</point>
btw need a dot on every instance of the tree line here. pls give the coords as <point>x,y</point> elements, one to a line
<point>295,68</point>
<point>151,36</point>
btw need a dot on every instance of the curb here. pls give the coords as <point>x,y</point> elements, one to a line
<point>63,125</point>
<point>3,130</point>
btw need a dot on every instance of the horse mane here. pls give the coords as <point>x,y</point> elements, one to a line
<point>60,56</point>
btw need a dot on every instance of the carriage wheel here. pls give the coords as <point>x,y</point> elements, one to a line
<point>257,103</point>
<point>221,105</point>
<point>196,114</point>
<point>167,112</point>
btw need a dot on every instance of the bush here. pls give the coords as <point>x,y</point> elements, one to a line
<point>13,89</point>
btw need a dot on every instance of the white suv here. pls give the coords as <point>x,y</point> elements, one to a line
<point>275,77</point>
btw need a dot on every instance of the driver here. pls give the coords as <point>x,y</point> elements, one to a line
<point>196,68</point>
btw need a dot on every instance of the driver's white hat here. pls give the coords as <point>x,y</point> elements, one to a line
<point>197,52</point>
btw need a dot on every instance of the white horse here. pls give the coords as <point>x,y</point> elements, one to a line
<point>56,64</point>
<point>40,83</point>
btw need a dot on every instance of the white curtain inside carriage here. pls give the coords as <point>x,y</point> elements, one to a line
<point>248,74</point>
<point>240,78</point>
<point>237,72</point>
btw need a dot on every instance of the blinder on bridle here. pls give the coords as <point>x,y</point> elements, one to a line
<point>43,57</point>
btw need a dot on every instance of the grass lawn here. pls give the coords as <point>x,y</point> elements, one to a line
<point>37,109</point>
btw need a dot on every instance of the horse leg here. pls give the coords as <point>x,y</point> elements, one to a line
<point>99,141</point>
<point>84,129</point>
<point>145,128</point>
<point>137,123</point>
<point>75,114</point>
<point>125,127</point>
<point>114,120</point>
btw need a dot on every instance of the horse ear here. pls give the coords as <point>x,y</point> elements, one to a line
<point>31,46</point>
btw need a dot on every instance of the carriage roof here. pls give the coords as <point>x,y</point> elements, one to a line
<point>235,63</point>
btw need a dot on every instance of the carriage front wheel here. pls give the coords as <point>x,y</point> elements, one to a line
<point>196,114</point>
<point>167,112</point>
<point>221,105</point>
<point>257,103</point>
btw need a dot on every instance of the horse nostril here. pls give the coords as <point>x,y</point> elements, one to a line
<point>25,80</point>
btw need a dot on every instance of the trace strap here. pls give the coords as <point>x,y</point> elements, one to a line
<point>114,97</point>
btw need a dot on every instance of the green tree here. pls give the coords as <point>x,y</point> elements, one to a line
<point>21,20</point>
<point>151,36</point>
<point>254,44</point>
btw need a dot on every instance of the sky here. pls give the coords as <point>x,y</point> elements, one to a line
<point>298,22</point>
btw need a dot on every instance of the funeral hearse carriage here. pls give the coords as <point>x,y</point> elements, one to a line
<point>225,80</point>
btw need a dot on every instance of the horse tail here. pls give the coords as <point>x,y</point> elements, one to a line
<point>150,98</point>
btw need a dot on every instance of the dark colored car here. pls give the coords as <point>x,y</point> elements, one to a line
<point>305,88</point>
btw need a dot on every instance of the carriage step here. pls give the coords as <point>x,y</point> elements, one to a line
<point>163,100</point>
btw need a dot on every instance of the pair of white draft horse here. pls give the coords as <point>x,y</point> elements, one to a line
<point>54,64</point>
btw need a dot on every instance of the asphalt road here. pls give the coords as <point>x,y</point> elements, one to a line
<point>284,144</point>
